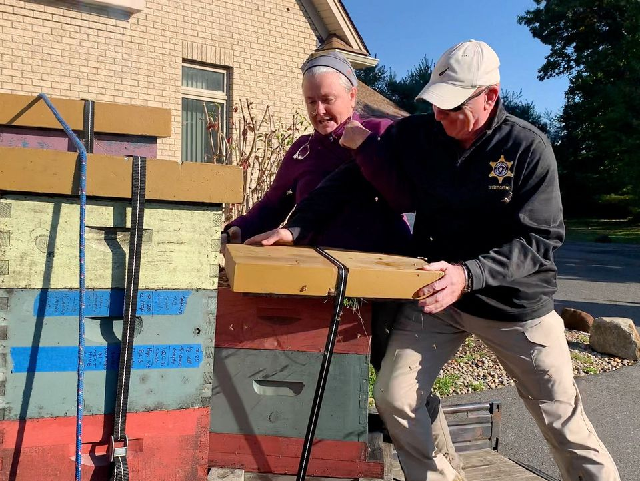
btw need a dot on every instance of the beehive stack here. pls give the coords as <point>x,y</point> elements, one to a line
<point>173,343</point>
<point>269,344</point>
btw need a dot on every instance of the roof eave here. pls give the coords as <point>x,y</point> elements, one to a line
<point>335,17</point>
<point>360,61</point>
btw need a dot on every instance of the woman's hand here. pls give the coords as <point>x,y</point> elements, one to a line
<point>273,237</point>
<point>354,134</point>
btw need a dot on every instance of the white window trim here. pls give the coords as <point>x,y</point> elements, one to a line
<point>199,94</point>
<point>132,6</point>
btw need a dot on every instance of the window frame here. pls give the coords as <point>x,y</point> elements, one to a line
<point>217,96</point>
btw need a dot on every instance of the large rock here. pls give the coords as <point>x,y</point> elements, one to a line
<point>617,336</point>
<point>577,320</point>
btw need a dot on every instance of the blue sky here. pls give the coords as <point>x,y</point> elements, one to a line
<point>401,32</point>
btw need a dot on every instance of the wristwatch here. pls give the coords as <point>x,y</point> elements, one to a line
<point>468,279</point>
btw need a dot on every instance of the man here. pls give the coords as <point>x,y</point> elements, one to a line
<point>484,186</point>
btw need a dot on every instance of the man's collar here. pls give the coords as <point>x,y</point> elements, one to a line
<point>497,117</point>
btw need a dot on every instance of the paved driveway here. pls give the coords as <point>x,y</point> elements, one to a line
<point>601,279</point>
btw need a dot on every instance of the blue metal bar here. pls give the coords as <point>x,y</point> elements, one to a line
<point>83,204</point>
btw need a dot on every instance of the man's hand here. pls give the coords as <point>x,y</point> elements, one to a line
<point>354,134</point>
<point>445,291</point>
<point>273,237</point>
<point>232,236</point>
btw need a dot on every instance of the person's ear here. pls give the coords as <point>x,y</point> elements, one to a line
<point>493,93</point>
<point>352,96</point>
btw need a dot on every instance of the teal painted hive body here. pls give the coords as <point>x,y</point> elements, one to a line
<point>269,393</point>
<point>173,349</point>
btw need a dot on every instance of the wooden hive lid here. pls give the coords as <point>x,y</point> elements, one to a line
<point>301,271</point>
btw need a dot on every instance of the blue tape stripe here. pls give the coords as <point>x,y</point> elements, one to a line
<point>101,358</point>
<point>109,303</point>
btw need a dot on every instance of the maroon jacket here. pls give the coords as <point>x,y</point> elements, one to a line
<point>366,223</point>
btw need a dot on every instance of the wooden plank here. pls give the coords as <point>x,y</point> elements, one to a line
<point>28,111</point>
<point>461,421</point>
<point>488,465</point>
<point>279,270</point>
<point>55,172</point>
<point>470,432</point>
<point>132,119</point>
<point>288,324</point>
<point>482,465</point>
<point>464,446</point>
<point>179,246</point>
<point>302,271</point>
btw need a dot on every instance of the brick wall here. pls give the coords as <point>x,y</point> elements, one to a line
<point>69,50</point>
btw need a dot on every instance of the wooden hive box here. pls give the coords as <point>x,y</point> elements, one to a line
<point>246,321</point>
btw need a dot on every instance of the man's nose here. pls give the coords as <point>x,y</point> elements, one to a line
<point>321,109</point>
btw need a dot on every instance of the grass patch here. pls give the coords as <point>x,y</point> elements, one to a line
<point>477,386</point>
<point>588,230</point>
<point>466,358</point>
<point>372,380</point>
<point>444,384</point>
<point>581,358</point>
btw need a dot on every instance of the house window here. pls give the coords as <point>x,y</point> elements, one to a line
<point>204,122</point>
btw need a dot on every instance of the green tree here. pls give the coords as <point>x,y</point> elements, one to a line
<point>375,77</point>
<point>404,91</point>
<point>596,43</point>
<point>400,91</point>
<point>524,109</point>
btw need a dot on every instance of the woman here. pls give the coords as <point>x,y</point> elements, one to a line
<point>329,87</point>
<point>368,224</point>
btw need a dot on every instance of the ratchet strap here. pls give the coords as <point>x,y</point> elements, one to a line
<point>119,442</point>
<point>341,287</point>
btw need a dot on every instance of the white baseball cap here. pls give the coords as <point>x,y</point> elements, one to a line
<point>459,72</point>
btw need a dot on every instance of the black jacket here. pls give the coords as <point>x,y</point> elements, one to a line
<point>496,206</point>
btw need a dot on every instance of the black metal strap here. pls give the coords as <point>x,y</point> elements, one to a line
<point>341,287</point>
<point>89,116</point>
<point>119,453</point>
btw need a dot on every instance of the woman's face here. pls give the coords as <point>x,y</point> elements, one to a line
<point>328,102</point>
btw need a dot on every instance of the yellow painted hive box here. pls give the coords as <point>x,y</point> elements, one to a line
<point>180,245</point>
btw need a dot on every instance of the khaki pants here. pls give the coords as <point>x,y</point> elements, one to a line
<point>534,353</point>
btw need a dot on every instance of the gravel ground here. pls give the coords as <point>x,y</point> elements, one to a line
<point>475,368</point>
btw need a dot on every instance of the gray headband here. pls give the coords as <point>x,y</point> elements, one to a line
<point>333,60</point>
